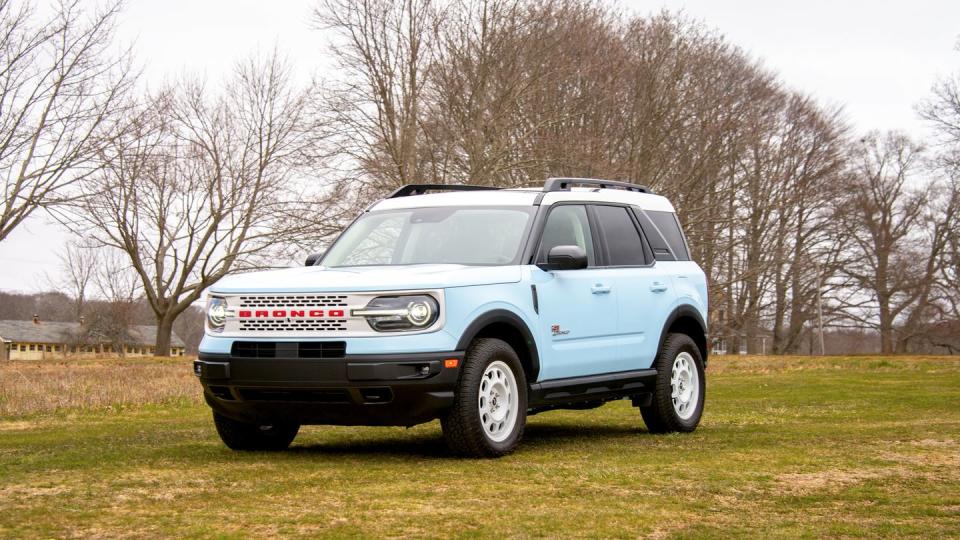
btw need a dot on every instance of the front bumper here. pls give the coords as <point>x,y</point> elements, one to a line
<point>375,390</point>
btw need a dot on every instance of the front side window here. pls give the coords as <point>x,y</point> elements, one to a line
<point>450,235</point>
<point>567,225</point>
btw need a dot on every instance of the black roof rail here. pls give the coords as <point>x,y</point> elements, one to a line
<point>420,189</point>
<point>563,184</point>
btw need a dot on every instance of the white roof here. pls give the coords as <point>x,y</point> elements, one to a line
<point>647,201</point>
<point>499,197</point>
<point>525,197</point>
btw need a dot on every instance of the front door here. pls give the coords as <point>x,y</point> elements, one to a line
<point>578,308</point>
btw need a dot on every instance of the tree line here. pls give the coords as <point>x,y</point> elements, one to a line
<point>803,226</point>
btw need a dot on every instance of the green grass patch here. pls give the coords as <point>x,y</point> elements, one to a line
<point>787,448</point>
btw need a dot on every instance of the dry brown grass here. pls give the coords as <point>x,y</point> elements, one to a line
<point>31,387</point>
<point>757,364</point>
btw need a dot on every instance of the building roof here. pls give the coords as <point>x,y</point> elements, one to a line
<point>61,332</point>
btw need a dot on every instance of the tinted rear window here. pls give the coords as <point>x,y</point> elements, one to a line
<point>664,234</point>
<point>624,246</point>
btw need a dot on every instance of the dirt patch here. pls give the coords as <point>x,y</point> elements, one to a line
<point>931,459</point>
<point>18,425</point>
<point>935,443</point>
<point>21,491</point>
<point>917,463</point>
<point>829,480</point>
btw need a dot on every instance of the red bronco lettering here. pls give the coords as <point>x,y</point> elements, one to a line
<point>291,313</point>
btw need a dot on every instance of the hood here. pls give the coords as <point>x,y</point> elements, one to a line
<point>366,278</point>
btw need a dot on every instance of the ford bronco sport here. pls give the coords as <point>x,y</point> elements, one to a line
<point>474,305</point>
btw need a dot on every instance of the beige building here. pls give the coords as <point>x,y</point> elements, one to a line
<point>39,340</point>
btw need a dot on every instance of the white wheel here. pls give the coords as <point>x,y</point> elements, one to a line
<point>684,386</point>
<point>498,401</point>
<point>490,405</point>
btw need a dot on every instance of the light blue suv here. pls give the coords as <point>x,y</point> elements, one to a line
<point>474,305</point>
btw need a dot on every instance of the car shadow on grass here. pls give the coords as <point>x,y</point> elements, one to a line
<point>431,444</point>
<point>561,431</point>
<point>426,445</point>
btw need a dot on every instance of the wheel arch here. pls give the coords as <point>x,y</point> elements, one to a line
<point>686,319</point>
<point>508,326</point>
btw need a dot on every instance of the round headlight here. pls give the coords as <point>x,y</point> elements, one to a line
<point>217,313</point>
<point>400,313</point>
<point>419,313</point>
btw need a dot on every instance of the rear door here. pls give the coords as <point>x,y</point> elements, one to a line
<point>645,291</point>
<point>578,308</point>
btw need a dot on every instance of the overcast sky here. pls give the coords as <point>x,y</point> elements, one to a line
<point>875,58</point>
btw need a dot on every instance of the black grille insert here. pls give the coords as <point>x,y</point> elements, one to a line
<point>322,350</point>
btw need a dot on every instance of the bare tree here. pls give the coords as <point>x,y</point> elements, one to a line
<point>950,278</point>
<point>808,248</point>
<point>384,53</point>
<point>59,84</point>
<point>897,242</point>
<point>119,289</point>
<point>478,81</point>
<point>942,110</point>
<point>78,268</point>
<point>193,184</point>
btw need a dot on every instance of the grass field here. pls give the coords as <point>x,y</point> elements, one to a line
<point>788,447</point>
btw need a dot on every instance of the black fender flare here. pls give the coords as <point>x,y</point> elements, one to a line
<point>503,316</point>
<point>686,310</point>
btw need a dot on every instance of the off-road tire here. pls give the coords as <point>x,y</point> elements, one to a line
<point>254,437</point>
<point>462,427</point>
<point>661,416</point>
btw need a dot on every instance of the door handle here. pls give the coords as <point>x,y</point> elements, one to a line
<point>600,288</point>
<point>658,287</point>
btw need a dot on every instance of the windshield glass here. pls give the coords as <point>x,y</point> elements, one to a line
<point>451,235</point>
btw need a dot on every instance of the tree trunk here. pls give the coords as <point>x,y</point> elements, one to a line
<point>164,333</point>
<point>886,328</point>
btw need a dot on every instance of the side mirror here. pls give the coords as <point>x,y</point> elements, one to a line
<point>313,258</point>
<point>565,258</point>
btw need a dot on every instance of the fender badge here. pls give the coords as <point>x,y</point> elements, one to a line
<point>556,331</point>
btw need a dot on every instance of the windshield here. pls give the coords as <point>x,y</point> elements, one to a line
<point>451,235</point>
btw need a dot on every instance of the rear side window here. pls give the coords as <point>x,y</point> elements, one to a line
<point>624,246</point>
<point>662,230</point>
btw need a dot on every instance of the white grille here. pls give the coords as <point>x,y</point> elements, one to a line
<point>299,300</point>
<point>300,326</point>
<point>293,325</point>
